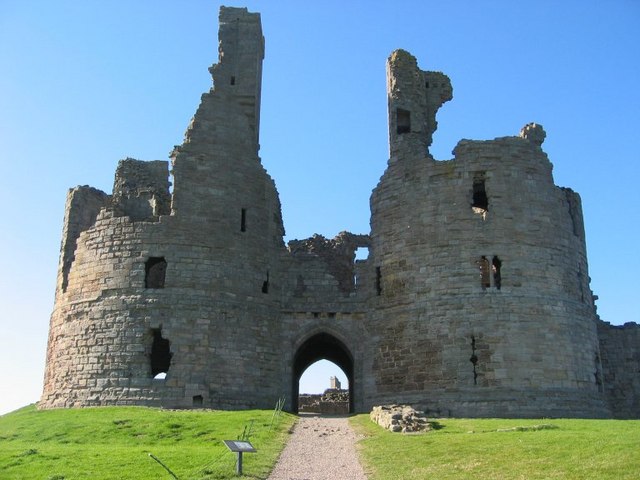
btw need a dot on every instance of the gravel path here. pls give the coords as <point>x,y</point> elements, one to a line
<point>320,448</point>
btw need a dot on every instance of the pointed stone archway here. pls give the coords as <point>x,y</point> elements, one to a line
<point>321,346</point>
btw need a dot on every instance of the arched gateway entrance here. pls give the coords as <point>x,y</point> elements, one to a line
<point>321,346</point>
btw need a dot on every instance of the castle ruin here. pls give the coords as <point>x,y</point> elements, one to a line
<point>474,299</point>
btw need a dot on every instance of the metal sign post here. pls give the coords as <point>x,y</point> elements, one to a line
<point>239,447</point>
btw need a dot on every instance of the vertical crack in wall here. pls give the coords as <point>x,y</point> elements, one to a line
<point>474,359</point>
<point>597,374</point>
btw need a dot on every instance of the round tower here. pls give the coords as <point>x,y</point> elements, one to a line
<point>171,298</point>
<point>483,303</point>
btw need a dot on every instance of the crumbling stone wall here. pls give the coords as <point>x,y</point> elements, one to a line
<point>337,254</point>
<point>474,299</point>
<point>331,402</point>
<point>141,189</point>
<point>620,372</point>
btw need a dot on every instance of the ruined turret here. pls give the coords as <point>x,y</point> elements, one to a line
<point>473,300</point>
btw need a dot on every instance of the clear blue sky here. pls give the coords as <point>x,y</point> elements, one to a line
<point>86,83</point>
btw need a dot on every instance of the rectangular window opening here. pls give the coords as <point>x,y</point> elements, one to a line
<point>155,270</point>
<point>160,355</point>
<point>480,201</point>
<point>403,121</point>
<point>265,284</point>
<point>198,401</point>
<point>378,281</point>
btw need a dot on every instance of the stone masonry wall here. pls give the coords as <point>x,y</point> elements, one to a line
<point>483,288</point>
<point>620,373</point>
<point>474,299</point>
<point>211,323</point>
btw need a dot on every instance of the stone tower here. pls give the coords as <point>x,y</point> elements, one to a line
<point>474,299</point>
<point>482,266</point>
<point>148,277</point>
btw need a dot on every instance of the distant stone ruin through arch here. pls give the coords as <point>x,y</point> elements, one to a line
<point>322,346</point>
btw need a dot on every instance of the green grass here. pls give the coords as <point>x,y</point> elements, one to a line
<point>115,442</point>
<point>473,449</point>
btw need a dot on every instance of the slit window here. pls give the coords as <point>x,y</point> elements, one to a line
<point>403,121</point>
<point>378,281</point>
<point>233,80</point>
<point>160,354</point>
<point>155,271</point>
<point>243,220</point>
<point>496,264</point>
<point>265,284</point>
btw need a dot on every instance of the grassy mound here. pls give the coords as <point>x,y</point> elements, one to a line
<point>504,449</point>
<point>115,442</point>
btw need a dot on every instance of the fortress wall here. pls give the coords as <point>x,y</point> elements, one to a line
<point>484,279</point>
<point>218,321</point>
<point>620,350</point>
<point>474,299</point>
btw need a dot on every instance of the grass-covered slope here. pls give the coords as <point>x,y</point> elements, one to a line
<point>498,449</point>
<point>115,442</point>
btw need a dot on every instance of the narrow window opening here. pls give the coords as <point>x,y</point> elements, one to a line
<point>198,401</point>
<point>480,202</point>
<point>233,80</point>
<point>580,279</point>
<point>155,271</point>
<point>474,359</point>
<point>265,284</point>
<point>483,266</point>
<point>496,265</point>
<point>403,121</point>
<point>243,220</point>
<point>426,84</point>
<point>378,281</point>
<point>160,354</point>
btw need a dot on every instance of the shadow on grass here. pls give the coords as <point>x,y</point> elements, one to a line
<point>435,425</point>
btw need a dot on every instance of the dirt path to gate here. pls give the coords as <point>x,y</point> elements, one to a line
<point>320,448</point>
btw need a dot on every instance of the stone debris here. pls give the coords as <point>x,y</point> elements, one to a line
<point>400,418</point>
<point>331,402</point>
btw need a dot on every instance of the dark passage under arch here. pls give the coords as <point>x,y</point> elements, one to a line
<point>321,346</point>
